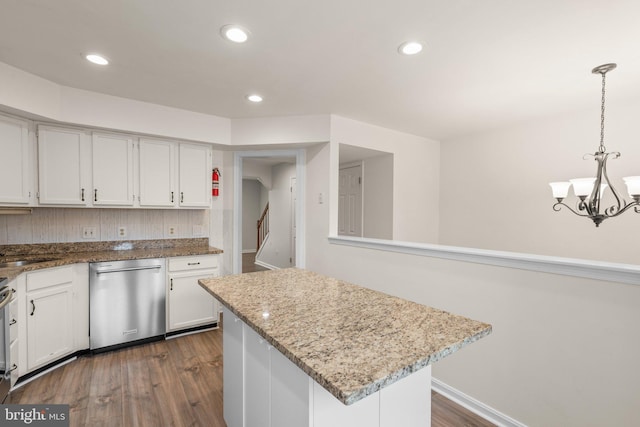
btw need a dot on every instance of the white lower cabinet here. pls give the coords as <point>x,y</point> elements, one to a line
<point>188,304</point>
<point>232,369</point>
<point>49,307</point>
<point>263,388</point>
<point>53,306</point>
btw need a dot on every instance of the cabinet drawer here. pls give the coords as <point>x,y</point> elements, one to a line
<point>49,277</point>
<point>13,320</point>
<point>190,263</point>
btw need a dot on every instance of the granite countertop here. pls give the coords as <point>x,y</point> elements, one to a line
<point>351,340</point>
<point>59,254</point>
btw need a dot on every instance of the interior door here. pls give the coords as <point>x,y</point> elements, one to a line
<point>350,201</point>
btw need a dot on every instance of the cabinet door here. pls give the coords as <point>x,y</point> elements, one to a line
<point>157,172</point>
<point>195,176</point>
<point>233,369</point>
<point>112,170</point>
<point>189,304</point>
<point>49,324</point>
<point>290,391</point>
<point>257,381</point>
<point>15,164</point>
<point>62,165</point>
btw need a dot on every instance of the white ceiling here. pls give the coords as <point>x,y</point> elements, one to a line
<point>486,63</point>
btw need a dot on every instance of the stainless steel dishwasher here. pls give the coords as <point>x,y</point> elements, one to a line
<point>126,302</point>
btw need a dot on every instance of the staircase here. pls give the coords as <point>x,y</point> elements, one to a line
<point>263,227</point>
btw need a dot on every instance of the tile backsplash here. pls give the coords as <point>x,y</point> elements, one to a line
<point>61,225</point>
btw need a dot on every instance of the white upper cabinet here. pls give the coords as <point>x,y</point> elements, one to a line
<point>112,168</point>
<point>16,169</point>
<point>102,169</point>
<point>195,176</point>
<point>63,164</point>
<point>157,161</point>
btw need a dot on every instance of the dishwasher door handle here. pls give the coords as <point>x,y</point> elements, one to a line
<point>119,270</point>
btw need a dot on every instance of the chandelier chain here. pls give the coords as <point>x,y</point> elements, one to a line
<point>602,148</point>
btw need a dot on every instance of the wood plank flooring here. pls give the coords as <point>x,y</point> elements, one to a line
<point>177,382</point>
<point>249,263</point>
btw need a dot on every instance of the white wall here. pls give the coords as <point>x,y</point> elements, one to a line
<point>416,172</point>
<point>377,197</point>
<point>257,170</point>
<point>277,249</point>
<point>563,350</point>
<point>495,192</point>
<point>280,130</point>
<point>29,95</point>
<point>60,225</point>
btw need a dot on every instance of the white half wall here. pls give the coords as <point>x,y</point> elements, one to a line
<point>563,350</point>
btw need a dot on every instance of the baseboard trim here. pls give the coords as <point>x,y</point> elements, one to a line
<point>473,405</point>
<point>27,378</point>
<point>265,265</point>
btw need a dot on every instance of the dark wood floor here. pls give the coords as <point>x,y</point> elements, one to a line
<point>177,382</point>
<point>249,263</point>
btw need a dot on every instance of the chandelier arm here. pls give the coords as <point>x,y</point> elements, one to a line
<point>620,202</point>
<point>596,196</point>
<point>624,209</point>
<point>558,206</point>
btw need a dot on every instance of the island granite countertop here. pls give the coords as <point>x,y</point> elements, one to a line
<point>351,340</point>
<point>59,254</point>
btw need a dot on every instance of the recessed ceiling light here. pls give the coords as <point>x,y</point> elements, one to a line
<point>234,33</point>
<point>254,98</point>
<point>410,48</point>
<point>97,59</point>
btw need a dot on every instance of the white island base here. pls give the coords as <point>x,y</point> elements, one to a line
<point>262,388</point>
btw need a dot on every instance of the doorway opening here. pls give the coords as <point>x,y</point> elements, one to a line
<point>268,210</point>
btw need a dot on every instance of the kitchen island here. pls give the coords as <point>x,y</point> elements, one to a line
<point>346,355</point>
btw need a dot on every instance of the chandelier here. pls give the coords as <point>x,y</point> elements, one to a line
<point>589,191</point>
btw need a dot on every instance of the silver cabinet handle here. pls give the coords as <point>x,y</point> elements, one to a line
<point>151,267</point>
<point>13,367</point>
<point>82,194</point>
<point>172,197</point>
<point>33,309</point>
<point>193,263</point>
<point>181,197</point>
<point>95,195</point>
<point>171,284</point>
<point>13,322</point>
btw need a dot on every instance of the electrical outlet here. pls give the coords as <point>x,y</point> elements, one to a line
<point>172,230</point>
<point>122,231</point>
<point>198,230</point>
<point>89,233</point>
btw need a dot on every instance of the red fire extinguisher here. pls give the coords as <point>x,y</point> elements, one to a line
<point>215,182</point>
